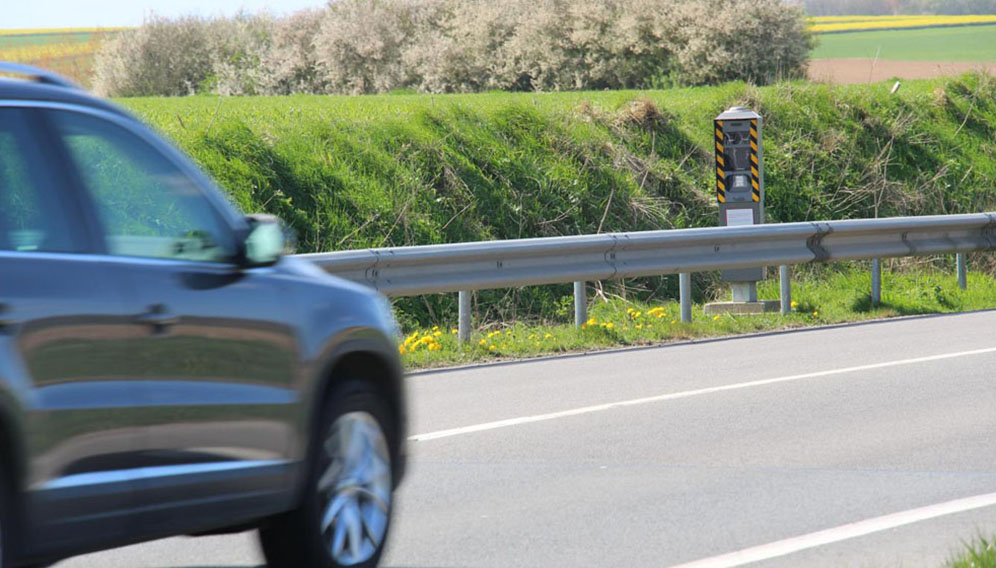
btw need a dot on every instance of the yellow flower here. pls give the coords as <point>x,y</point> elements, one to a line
<point>794,304</point>
<point>492,348</point>
<point>548,336</point>
<point>435,328</point>
<point>639,326</point>
<point>610,325</point>
<point>402,350</point>
<point>437,334</point>
<point>454,331</point>
<point>482,342</point>
<point>538,344</point>
<point>435,347</point>
<point>714,318</point>
<point>816,314</point>
<point>532,336</point>
<point>592,321</point>
<point>672,322</point>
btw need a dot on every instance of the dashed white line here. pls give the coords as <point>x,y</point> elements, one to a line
<point>685,394</point>
<point>843,532</point>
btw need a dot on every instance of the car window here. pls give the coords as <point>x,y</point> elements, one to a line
<point>146,205</point>
<point>32,218</point>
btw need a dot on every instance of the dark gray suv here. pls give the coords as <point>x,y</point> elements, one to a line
<point>164,369</point>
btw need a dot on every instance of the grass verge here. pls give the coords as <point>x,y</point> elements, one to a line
<point>980,553</point>
<point>836,297</point>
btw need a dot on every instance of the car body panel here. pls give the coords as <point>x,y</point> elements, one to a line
<point>123,429</point>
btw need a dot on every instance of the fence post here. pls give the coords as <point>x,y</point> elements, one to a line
<point>876,291</point>
<point>962,272</point>
<point>785,277</point>
<point>685,290</point>
<point>580,304</point>
<point>463,330</point>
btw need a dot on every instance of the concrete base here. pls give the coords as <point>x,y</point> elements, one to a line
<point>743,308</point>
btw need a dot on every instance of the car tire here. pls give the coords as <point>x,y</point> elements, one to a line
<point>344,516</point>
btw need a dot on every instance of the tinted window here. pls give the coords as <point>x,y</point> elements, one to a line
<point>146,205</point>
<point>31,216</point>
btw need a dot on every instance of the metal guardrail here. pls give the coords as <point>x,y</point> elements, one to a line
<point>462,267</point>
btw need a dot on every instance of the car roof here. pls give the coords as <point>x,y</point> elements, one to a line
<point>27,90</point>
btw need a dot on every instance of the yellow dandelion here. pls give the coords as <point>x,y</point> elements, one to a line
<point>639,326</point>
<point>482,342</point>
<point>402,350</point>
<point>437,334</point>
<point>592,321</point>
<point>454,331</point>
<point>492,348</point>
<point>794,304</point>
<point>714,318</point>
<point>610,325</point>
<point>816,314</point>
<point>548,336</point>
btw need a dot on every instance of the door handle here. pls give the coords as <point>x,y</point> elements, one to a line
<point>158,317</point>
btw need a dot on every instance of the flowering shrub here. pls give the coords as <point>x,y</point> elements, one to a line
<point>369,46</point>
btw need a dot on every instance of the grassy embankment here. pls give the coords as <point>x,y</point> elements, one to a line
<point>351,172</point>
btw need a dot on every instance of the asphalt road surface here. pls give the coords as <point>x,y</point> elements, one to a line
<point>864,445</point>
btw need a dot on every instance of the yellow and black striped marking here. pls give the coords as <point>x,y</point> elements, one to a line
<point>720,164</point>
<point>755,174</point>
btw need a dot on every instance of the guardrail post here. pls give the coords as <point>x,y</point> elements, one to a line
<point>685,290</point>
<point>463,330</point>
<point>785,278</point>
<point>876,291</point>
<point>580,304</point>
<point>962,272</point>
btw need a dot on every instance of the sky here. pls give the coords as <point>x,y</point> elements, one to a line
<point>19,14</point>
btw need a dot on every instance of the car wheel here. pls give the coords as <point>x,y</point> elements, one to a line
<point>346,511</point>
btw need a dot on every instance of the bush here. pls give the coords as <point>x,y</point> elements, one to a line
<point>162,57</point>
<point>291,61</point>
<point>761,41</point>
<point>443,46</point>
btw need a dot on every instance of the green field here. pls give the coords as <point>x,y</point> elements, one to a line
<point>970,43</point>
<point>54,38</point>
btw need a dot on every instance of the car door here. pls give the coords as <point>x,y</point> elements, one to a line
<point>217,355</point>
<point>63,327</point>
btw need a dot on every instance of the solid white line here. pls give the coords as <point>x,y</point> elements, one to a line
<point>685,394</point>
<point>843,532</point>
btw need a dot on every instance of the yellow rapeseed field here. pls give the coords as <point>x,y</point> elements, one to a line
<point>829,24</point>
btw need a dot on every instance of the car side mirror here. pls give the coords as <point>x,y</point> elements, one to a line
<point>267,239</point>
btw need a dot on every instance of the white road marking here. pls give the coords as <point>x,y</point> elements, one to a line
<point>843,532</point>
<point>685,394</point>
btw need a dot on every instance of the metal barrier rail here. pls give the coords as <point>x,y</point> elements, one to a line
<point>462,267</point>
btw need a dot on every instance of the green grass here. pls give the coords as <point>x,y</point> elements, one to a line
<point>969,43</point>
<point>841,295</point>
<point>980,553</point>
<point>392,170</point>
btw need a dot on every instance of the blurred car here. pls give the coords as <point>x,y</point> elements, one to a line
<point>165,368</point>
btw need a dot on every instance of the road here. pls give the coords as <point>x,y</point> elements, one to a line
<point>719,446</point>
